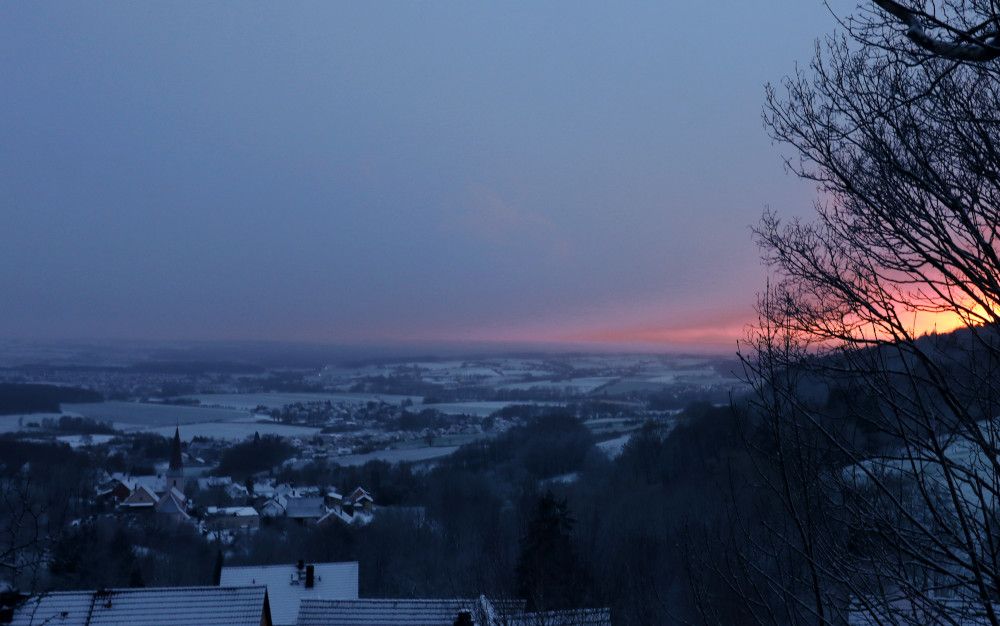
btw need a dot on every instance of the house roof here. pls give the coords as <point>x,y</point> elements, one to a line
<point>314,612</point>
<point>312,507</point>
<point>171,504</point>
<point>232,511</point>
<point>162,606</point>
<point>143,496</point>
<point>153,483</point>
<point>336,581</point>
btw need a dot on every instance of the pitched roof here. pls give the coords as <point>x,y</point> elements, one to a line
<point>313,612</point>
<point>155,606</point>
<point>311,507</point>
<point>335,581</point>
<point>171,504</point>
<point>232,511</point>
<point>143,496</point>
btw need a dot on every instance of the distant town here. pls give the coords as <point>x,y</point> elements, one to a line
<point>237,464</point>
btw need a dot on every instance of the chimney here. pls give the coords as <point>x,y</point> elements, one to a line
<point>300,565</point>
<point>310,576</point>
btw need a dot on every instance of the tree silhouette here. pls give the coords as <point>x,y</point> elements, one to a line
<point>548,566</point>
<point>888,503</point>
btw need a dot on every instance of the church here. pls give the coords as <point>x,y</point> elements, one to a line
<point>162,495</point>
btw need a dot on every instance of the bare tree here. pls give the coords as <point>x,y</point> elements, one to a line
<point>22,531</point>
<point>889,496</point>
<point>961,31</point>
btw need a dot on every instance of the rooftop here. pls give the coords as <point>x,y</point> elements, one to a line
<point>286,584</point>
<point>154,606</point>
<point>316,612</point>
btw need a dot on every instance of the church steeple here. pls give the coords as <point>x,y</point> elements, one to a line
<point>175,473</point>
<point>175,451</point>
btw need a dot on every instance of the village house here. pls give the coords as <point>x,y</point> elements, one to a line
<point>155,606</point>
<point>288,585</point>
<point>232,518</point>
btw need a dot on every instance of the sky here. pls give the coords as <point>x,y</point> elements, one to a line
<point>551,173</point>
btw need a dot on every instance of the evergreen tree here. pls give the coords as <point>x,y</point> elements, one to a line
<point>548,569</point>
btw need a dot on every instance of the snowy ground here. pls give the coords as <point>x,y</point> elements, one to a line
<point>140,414</point>
<point>195,421</point>
<point>576,385</point>
<point>235,431</point>
<point>14,423</point>
<point>481,409</point>
<point>614,447</point>
<point>79,441</point>
<point>250,401</point>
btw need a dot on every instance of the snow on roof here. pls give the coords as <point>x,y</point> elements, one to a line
<point>314,612</point>
<point>312,507</point>
<point>153,483</point>
<point>170,504</point>
<point>232,511</point>
<point>163,606</point>
<point>143,496</point>
<point>335,581</point>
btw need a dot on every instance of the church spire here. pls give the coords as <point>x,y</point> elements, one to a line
<point>175,451</point>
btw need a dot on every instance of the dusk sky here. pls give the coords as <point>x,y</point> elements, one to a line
<point>536,172</point>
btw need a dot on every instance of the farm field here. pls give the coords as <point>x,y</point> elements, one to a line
<point>480,409</point>
<point>250,401</point>
<point>138,414</point>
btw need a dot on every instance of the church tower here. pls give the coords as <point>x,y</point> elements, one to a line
<point>175,473</point>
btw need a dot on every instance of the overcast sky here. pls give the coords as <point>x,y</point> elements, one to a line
<point>555,172</point>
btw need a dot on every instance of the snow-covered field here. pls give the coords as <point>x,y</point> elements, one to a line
<point>250,401</point>
<point>481,409</point>
<point>14,423</point>
<point>79,441</point>
<point>576,385</point>
<point>143,414</point>
<point>195,421</point>
<point>235,431</point>
<point>614,447</point>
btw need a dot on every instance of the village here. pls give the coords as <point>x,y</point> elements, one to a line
<point>169,495</point>
<point>303,593</point>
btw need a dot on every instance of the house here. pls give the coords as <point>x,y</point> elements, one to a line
<point>234,490</point>
<point>232,518</point>
<point>334,499</point>
<point>470,612</point>
<point>288,585</point>
<point>212,482</point>
<point>173,505</point>
<point>154,606</point>
<point>152,482</point>
<point>306,510</point>
<point>113,489</point>
<point>274,507</point>
<point>360,500</point>
<point>142,498</point>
